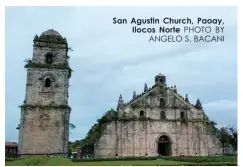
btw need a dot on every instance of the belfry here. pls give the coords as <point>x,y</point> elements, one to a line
<point>44,123</point>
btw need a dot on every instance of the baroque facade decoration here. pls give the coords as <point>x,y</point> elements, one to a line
<point>159,121</point>
<point>44,123</point>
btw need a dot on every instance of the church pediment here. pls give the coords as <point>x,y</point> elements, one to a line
<point>151,98</point>
<point>175,100</point>
<point>156,100</point>
<point>161,97</point>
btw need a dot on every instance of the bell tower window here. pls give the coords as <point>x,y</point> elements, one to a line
<point>47,82</point>
<point>49,58</point>
<point>141,113</point>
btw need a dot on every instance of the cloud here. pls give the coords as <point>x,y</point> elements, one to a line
<point>223,112</point>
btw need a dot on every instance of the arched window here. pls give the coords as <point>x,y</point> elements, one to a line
<point>141,113</point>
<point>162,115</point>
<point>49,58</point>
<point>47,82</point>
<point>182,114</point>
<point>164,138</point>
<point>162,102</point>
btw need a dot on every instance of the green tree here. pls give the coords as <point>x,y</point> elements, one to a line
<point>224,136</point>
<point>95,131</point>
<point>233,137</point>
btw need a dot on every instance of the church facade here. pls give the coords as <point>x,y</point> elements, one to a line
<point>158,122</point>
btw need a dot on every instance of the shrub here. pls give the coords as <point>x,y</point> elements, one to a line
<point>9,159</point>
<point>30,64</point>
<point>194,164</point>
<point>114,159</point>
<point>200,159</point>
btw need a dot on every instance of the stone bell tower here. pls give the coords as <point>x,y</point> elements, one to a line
<point>44,123</point>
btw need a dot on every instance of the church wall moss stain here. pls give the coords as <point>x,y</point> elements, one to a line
<point>45,113</point>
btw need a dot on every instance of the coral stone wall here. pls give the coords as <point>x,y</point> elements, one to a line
<point>43,131</point>
<point>138,138</point>
<point>38,94</point>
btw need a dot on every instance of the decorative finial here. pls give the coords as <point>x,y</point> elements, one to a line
<point>175,90</point>
<point>36,38</point>
<point>134,95</point>
<point>198,104</point>
<point>145,87</point>
<point>120,98</point>
<point>187,100</point>
<point>120,102</point>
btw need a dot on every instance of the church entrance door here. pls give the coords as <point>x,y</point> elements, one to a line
<point>164,146</point>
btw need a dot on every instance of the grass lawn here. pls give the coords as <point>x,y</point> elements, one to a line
<point>66,162</point>
<point>47,161</point>
<point>130,163</point>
